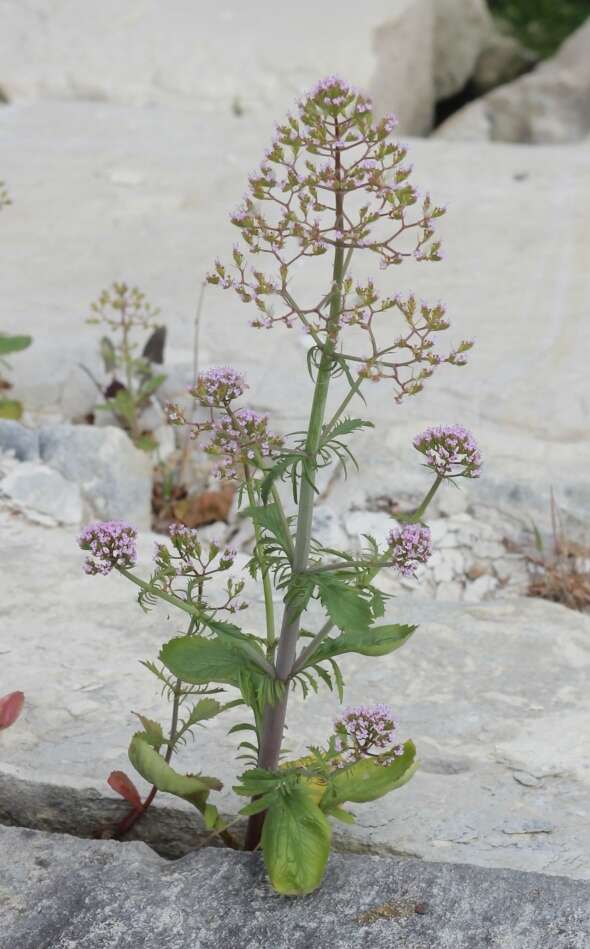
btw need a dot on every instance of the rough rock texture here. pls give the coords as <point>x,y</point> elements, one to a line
<point>403,81</point>
<point>208,56</point>
<point>547,106</point>
<point>18,441</point>
<point>461,31</point>
<point>62,892</point>
<point>39,488</point>
<point>114,477</point>
<point>152,209</point>
<point>495,696</point>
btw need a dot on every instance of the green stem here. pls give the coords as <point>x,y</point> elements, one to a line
<point>418,514</point>
<point>269,609</point>
<point>171,598</point>
<point>274,715</point>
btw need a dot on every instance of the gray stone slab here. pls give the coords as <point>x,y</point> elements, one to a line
<point>60,893</point>
<point>18,440</point>
<point>495,696</point>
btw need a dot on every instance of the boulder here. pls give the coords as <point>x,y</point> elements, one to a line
<point>18,441</point>
<point>39,489</point>
<point>549,105</point>
<point>461,31</point>
<point>113,476</point>
<point>62,892</point>
<point>403,80</point>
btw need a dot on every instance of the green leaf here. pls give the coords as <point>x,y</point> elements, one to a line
<point>199,661</point>
<point>347,606</point>
<point>295,842</point>
<point>11,408</point>
<point>346,426</point>
<point>338,813</point>
<point>151,766</point>
<point>13,344</point>
<point>123,405</point>
<point>146,443</point>
<point>153,731</point>
<point>375,641</point>
<point>269,518</point>
<point>204,710</point>
<point>367,780</point>
<point>258,781</point>
<point>277,471</point>
<point>150,385</point>
<point>108,355</point>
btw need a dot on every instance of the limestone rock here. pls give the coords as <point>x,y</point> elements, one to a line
<point>64,892</point>
<point>18,440</point>
<point>480,683</point>
<point>461,30</point>
<point>195,59</point>
<point>114,477</point>
<point>41,490</point>
<point>547,106</point>
<point>403,81</point>
<point>194,174</point>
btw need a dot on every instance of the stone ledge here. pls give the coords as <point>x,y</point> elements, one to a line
<point>61,892</point>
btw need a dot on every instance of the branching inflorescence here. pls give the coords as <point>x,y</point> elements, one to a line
<point>332,183</point>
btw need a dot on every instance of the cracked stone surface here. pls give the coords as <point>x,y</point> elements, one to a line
<point>65,892</point>
<point>494,694</point>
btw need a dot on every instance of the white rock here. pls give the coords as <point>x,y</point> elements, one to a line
<point>438,529</point>
<point>486,691</point>
<point>480,588</point>
<point>328,528</point>
<point>198,57</point>
<point>462,28</point>
<point>18,440</point>
<point>37,487</point>
<point>402,40</point>
<point>113,476</point>
<point>192,181</point>
<point>450,592</point>
<point>547,106</point>
<point>376,523</point>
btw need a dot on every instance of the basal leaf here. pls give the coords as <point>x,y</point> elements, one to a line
<point>367,780</point>
<point>152,766</point>
<point>295,842</point>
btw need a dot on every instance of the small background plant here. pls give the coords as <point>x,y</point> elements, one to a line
<point>133,379</point>
<point>9,408</point>
<point>333,184</point>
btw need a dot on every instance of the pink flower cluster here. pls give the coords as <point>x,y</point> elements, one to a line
<point>239,437</point>
<point>410,546</point>
<point>218,386</point>
<point>450,450</point>
<point>368,731</point>
<point>111,544</point>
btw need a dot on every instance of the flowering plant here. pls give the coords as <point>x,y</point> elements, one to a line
<point>333,183</point>
<point>125,312</point>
